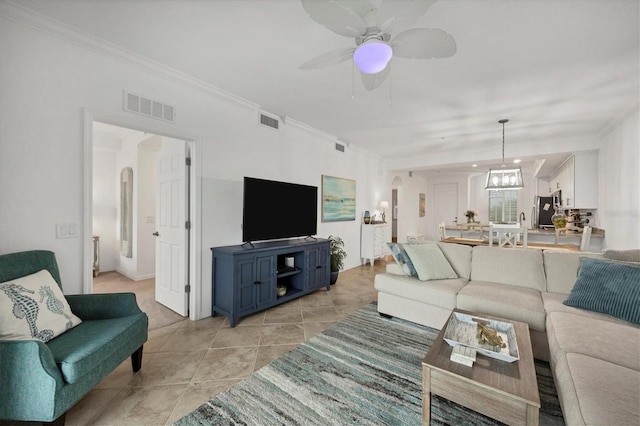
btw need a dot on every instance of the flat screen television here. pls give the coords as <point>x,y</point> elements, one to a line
<point>274,210</point>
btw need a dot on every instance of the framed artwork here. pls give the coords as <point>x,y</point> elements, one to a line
<point>422,205</point>
<point>338,199</point>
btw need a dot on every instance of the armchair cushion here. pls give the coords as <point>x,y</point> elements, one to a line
<point>80,350</point>
<point>33,307</point>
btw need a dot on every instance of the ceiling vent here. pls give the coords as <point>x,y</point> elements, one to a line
<point>148,107</point>
<point>339,147</point>
<point>269,121</point>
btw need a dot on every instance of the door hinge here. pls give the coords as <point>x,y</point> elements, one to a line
<point>187,288</point>
<point>187,225</point>
<point>187,161</point>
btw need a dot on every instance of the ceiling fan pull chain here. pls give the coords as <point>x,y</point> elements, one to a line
<point>353,81</point>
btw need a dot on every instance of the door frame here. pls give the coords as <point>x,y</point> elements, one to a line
<point>194,196</point>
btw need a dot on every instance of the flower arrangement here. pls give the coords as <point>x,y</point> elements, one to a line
<point>471,215</point>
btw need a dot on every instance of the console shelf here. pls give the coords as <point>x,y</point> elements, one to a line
<point>245,279</point>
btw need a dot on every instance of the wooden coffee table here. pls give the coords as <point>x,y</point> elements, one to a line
<point>505,391</point>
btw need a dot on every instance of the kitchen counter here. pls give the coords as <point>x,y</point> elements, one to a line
<point>537,235</point>
<point>481,227</point>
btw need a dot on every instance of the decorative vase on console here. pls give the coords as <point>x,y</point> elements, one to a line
<point>367,217</point>
<point>471,216</point>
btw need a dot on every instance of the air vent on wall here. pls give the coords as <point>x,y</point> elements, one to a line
<point>268,121</point>
<point>339,147</point>
<point>148,107</point>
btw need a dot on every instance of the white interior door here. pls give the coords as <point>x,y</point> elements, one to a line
<point>171,233</point>
<point>445,203</point>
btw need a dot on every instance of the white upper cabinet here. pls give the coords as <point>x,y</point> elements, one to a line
<point>578,179</point>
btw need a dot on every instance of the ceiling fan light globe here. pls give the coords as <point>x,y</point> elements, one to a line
<point>372,56</point>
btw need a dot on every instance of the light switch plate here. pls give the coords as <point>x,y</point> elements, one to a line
<point>66,230</point>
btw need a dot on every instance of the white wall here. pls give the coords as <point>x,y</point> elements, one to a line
<point>619,188</point>
<point>105,212</point>
<point>409,221</point>
<point>47,82</point>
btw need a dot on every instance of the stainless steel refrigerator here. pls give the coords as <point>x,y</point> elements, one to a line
<point>541,213</point>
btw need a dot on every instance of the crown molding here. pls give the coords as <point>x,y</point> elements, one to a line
<point>12,11</point>
<point>17,13</point>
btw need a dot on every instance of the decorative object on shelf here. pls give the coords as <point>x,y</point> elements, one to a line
<point>559,219</point>
<point>422,205</point>
<point>338,199</point>
<point>384,205</point>
<point>336,250</point>
<point>504,178</point>
<point>282,290</point>
<point>488,335</point>
<point>366,217</point>
<point>471,216</point>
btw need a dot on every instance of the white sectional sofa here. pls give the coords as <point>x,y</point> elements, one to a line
<point>595,358</point>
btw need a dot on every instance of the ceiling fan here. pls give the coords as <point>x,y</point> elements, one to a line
<point>381,31</point>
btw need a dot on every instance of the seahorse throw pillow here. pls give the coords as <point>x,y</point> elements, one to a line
<point>34,308</point>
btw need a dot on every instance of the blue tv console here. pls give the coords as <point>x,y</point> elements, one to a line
<point>246,279</point>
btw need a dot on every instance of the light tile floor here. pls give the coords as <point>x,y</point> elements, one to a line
<point>187,363</point>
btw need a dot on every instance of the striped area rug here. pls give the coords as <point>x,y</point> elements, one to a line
<point>365,370</point>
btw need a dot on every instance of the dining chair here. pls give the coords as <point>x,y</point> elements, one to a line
<point>508,235</point>
<point>586,238</point>
<point>442,231</point>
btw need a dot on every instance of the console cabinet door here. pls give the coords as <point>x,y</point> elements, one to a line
<point>318,267</point>
<point>246,285</point>
<point>265,280</point>
<point>256,284</point>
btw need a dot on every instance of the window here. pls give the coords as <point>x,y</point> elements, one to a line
<point>503,206</point>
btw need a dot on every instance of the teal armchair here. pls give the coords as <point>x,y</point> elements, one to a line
<point>41,381</point>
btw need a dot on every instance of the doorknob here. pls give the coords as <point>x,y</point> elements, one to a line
<point>157,234</point>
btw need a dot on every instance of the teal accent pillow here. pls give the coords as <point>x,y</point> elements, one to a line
<point>402,259</point>
<point>608,287</point>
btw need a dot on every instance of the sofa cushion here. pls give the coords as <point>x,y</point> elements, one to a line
<point>84,348</point>
<point>596,392</point>
<point>402,258</point>
<point>34,308</point>
<point>441,293</point>
<point>624,255</point>
<point>512,266</point>
<point>459,257</point>
<point>613,341</point>
<point>608,287</point>
<point>561,269</point>
<point>553,302</point>
<point>429,262</point>
<point>504,301</point>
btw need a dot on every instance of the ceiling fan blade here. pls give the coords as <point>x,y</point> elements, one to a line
<point>372,81</point>
<point>394,16</point>
<point>338,17</point>
<point>330,58</point>
<point>423,43</point>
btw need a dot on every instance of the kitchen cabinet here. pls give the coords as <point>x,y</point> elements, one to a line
<point>577,177</point>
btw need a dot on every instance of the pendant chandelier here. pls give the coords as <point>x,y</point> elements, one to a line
<point>504,178</point>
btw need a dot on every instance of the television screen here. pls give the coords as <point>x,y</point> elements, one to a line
<point>273,210</point>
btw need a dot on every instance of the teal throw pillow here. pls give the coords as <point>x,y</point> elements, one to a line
<point>608,287</point>
<point>402,259</point>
